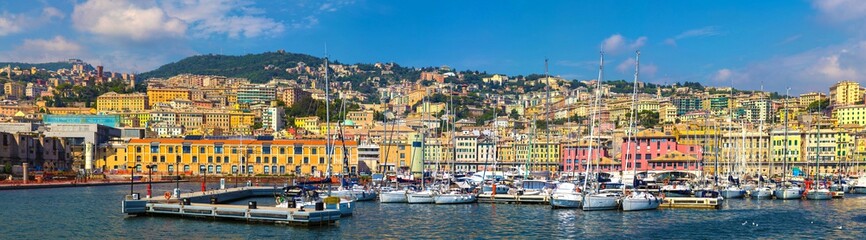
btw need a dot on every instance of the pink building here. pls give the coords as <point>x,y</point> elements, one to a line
<point>578,152</point>
<point>657,151</point>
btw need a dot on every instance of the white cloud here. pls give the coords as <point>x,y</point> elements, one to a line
<point>232,18</point>
<point>627,66</point>
<point>45,50</point>
<point>125,19</point>
<point>841,10</point>
<point>699,32</point>
<point>9,25</point>
<point>52,13</point>
<point>617,43</point>
<point>722,75</point>
<point>831,68</point>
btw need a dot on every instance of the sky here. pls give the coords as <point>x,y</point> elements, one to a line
<point>805,45</point>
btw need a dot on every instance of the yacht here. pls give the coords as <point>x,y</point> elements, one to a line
<point>454,197</point>
<point>637,201</point>
<point>787,192</point>
<point>566,195</point>
<point>600,201</point>
<point>425,196</point>
<point>761,193</point>
<point>732,191</point>
<point>818,194</point>
<point>676,190</point>
<point>860,186</point>
<point>387,195</point>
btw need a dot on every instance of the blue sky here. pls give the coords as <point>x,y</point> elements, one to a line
<point>804,44</point>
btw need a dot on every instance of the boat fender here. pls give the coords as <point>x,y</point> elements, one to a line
<point>167,195</point>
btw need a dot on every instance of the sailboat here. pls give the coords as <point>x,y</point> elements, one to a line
<point>354,192</point>
<point>733,189</point>
<point>817,191</point>
<point>637,200</point>
<point>345,206</point>
<point>388,194</point>
<point>425,195</point>
<point>453,196</point>
<point>566,195</point>
<point>786,191</point>
<point>595,200</point>
<point>762,191</point>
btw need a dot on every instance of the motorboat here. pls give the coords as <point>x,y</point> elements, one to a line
<point>860,186</point>
<point>676,190</point>
<point>534,187</point>
<point>309,199</point>
<point>566,195</point>
<point>357,193</point>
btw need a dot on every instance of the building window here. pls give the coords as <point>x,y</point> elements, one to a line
<point>299,150</point>
<point>218,149</point>
<point>186,168</point>
<point>282,150</point>
<point>321,160</point>
<point>306,160</point>
<point>266,150</point>
<point>209,159</point>
<point>267,160</point>
<point>314,150</point>
<point>219,169</point>
<point>195,159</point>
<point>267,169</point>
<point>170,150</point>
<point>154,149</point>
<point>161,158</point>
<point>200,149</point>
<point>186,149</point>
<point>234,169</point>
<point>218,159</point>
<point>137,158</point>
<point>290,160</point>
<point>258,159</point>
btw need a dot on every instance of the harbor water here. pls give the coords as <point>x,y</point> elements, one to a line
<point>94,213</point>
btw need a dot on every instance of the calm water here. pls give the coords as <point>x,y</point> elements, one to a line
<point>94,212</point>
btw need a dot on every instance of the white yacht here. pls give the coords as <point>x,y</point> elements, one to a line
<point>761,193</point>
<point>600,201</point>
<point>818,194</point>
<point>860,186</point>
<point>393,196</point>
<point>454,198</point>
<point>636,201</point>
<point>425,196</point>
<point>787,192</point>
<point>566,195</point>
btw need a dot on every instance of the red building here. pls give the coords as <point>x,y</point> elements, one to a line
<point>575,154</point>
<point>658,151</point>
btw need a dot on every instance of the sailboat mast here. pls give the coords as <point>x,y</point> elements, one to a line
<point>632,118</point>
<point>761,145</point>
<point>785,144</point>
<point>328,121</point>
<point>592,118</point>
<point>547,112</point>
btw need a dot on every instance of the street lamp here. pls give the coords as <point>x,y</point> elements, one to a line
<point>149,179</point>
<point>131,179</point>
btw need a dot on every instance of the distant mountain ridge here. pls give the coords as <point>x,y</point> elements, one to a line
<point>254,67</point>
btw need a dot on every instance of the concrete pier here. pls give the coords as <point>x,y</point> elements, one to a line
<point>208,205</point>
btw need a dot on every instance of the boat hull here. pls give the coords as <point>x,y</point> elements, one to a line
<point>420,198</point>
<point>600,202</point>
<point>786,194</point>
<point>393,197</point>
<point>860,190</point>
<point>565,201</point>
<point>455,199</point>
<point>818,195</point>
<point>761,194</point>
<point>640,203</point>
<point>731,193</point>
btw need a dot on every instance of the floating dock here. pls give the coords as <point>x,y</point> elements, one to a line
<point>513,198</point>
<point>691,202</point>
<point>207,205</point>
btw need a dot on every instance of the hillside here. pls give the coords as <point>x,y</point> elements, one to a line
<point>51,66</point>
<point>250,66</point>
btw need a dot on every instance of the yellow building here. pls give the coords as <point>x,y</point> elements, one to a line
<point>160,95</point>
<point>810,97</point>
<point>430,108</point>
<point>233,157</point>
<point>133,119</point>
<point>667,113</point>
<point>311,124</point>
<point>794,146</point>
<point>13,89</point>
<point>113,101</point>
<point>241,121</point>
<point>846,93</point>
<point>361,118</point>
<point>540,155</point>
<point>851,114</point>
